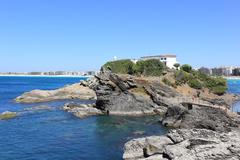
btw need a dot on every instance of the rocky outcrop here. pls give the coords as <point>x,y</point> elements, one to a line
<point>199,117</point>
<point>82,110</point>
<point>205,133</point>
<point>128,95</point>
<point>75,91</point>
<point>7,115</point>
<point>182,144</point>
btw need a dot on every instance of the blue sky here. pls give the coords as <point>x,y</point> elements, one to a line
<point>43,35</point>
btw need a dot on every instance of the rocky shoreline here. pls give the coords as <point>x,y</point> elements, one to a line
<point>75,91</point>
<point>182,144</point>
<point>200,127</point>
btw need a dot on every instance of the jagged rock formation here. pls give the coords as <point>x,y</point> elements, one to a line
<point>128,95</point>
<point>199,117</point>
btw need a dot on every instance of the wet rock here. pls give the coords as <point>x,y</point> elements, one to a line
<point>75,91</point>
<point>7,115</point>
<point>82,110</point>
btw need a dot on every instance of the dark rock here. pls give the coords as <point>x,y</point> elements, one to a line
<point>199,117</point>
<point>114,96</point>
<point>124,94</point>
<point>174,116</point>
<point>209,118</point>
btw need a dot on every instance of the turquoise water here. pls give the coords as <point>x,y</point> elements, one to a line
<point>53,134</point>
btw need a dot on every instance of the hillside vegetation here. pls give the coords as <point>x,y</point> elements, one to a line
<point>197,80</point>
<point>186,75</point>
<point>151,67</point>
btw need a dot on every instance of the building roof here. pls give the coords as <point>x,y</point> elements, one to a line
<point>161,56</point>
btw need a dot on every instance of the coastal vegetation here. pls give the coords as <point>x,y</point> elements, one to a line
<point>198,80</point>
<point>120,66</point>
<point>187,68</point>
<point>185,75</point>
<point>150,67</point>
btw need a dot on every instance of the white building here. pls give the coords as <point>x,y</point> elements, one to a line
<point>168,59</point>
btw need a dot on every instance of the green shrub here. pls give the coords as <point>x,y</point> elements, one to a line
<point>169,83</point>
<point>217,85</point>
<point>120,66</point>
<point>201,76</point>
<point>181,77</point>
<point>219,90</point>
<point>186,68</point>
<point>151,67</point>
<point>216,81</point>
<point>194,83</point>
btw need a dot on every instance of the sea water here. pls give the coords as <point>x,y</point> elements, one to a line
<point>234,87</point>
<point>53,134</point>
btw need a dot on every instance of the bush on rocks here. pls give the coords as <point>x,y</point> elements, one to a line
<point>181,77</point>
<point>151,67</point>
<point>120,66</point>
<point>194,83</point>
<point>186,68</point>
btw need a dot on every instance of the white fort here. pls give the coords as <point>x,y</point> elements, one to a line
<point>168,59</point>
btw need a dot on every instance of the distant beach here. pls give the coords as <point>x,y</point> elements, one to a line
<point>23,75</point>
<point>232,77</point>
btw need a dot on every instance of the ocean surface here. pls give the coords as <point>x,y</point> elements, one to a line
<point>52,134</point>
<point>234,87</point>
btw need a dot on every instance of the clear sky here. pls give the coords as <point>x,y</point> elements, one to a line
<point>43,35</point>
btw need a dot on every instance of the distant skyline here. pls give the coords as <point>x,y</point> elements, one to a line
<point>72,35</point>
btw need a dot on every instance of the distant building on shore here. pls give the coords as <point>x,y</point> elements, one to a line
<point>217,71</point>
<point>221,71</point>
<point>168,59</point>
